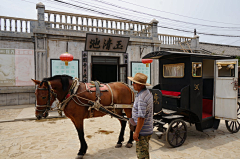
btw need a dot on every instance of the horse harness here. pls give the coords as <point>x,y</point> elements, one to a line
<point>47,106</point>
<point>93,104</point>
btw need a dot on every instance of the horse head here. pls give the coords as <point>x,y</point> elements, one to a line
<point>48,90</point>
<point>45,96</point>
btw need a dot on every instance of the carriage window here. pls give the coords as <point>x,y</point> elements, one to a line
<point>226,70</point>
<point>197,69</point>
<point>173,70</point>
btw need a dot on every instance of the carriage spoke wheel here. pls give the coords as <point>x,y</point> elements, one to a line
<point>234,126</point>
<point>176,133</point>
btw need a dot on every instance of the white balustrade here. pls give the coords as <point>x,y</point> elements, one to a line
<point>14,24</point>
<point>174,40</point>
<point>86,23</point>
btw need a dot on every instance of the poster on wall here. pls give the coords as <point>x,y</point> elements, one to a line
<point>24,67</point>
<point>16,67</point>
<point>58,68</point>
<point>7,67</point>
<point>139,67</point>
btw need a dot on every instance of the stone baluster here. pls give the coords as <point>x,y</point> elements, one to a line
<point>137,29</point>
<point>121,32</point>
<point>71,23</point>
<point>49,25</point>
<point>116,28</point>
<point>55,20</point>
<point>111,27</point>
<point>65,27</point>
<point>5,25</point>
<point>107,25</point>
<point>60,25</point>
<point>92,25</point>
<point>97,25</point>
<point>21,25</point>
<point>10,24</point>
<point>87,24</point>
<point>82,18</point>
<point>26,26</point>
<point>15,26</point>
<point>102,25</point>
<point>133,28</point>
<point>76,23</point>
<point>125,28</point>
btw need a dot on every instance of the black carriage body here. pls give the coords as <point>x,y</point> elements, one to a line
<point>193,90</point>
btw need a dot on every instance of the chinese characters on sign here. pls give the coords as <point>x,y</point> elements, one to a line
<point>84,66</point>
<point>58,68</point>
<point>96,42</point>
<point>16,67</point>
<point>139,67</point>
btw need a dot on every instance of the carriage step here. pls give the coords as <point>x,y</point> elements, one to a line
<point>173,116</point>
<point>209,130</point>
<point>159,133</point>
<point>167,111</point>
<point>160,122</point>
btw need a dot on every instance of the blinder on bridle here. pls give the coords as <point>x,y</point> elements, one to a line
<point>47,105</point>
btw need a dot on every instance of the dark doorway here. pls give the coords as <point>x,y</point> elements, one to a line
<point>105,69</point>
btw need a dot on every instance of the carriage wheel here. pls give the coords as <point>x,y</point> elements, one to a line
<point>234,126</point>
<point>176,133</point>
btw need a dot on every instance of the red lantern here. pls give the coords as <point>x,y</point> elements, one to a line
<point>66,57</point>
<point>147,61</point>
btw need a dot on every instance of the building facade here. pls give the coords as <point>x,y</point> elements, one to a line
<point>31,49</point>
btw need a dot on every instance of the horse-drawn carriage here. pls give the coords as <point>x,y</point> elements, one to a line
<point>195,88</point>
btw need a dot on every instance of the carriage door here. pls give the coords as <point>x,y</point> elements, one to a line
<point>226,86</point>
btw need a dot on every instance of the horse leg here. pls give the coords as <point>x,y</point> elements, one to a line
<point>129,115</point>
<point>129,143</point>
<point>121,135</point>
<point>83,147</point>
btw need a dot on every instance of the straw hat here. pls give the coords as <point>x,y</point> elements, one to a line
<point>140,78</point>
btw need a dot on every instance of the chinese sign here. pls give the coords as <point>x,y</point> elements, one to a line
<point>139,67</point>
<point>96,42</point>
<point>16,67</point>
<point>58,68</point>
<point>85,66</point>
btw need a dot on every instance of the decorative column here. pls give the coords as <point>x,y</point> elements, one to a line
<point>154,29</point>
<point>40,40</point>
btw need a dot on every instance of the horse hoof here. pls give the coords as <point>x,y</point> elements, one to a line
<point>118,146</point>
<point>128,145</point>
<point>79,157</point>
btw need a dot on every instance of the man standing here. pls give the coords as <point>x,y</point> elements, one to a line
<point>142,114</point>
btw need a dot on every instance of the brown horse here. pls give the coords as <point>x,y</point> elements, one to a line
<point>59,87</point>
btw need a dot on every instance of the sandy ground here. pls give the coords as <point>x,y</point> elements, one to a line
<point>57,138</point>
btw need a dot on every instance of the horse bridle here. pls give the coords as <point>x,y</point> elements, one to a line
<point>49,98</point>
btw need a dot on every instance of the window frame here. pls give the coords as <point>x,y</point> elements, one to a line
<point>183,64</point>
<point>193,67</point>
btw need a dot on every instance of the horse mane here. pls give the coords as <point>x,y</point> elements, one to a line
<point>64,80</point>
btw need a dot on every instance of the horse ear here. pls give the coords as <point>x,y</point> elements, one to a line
<point>36,81</point>
<point>65,83</point>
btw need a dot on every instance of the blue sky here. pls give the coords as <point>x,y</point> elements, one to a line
<point>219,17</point>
